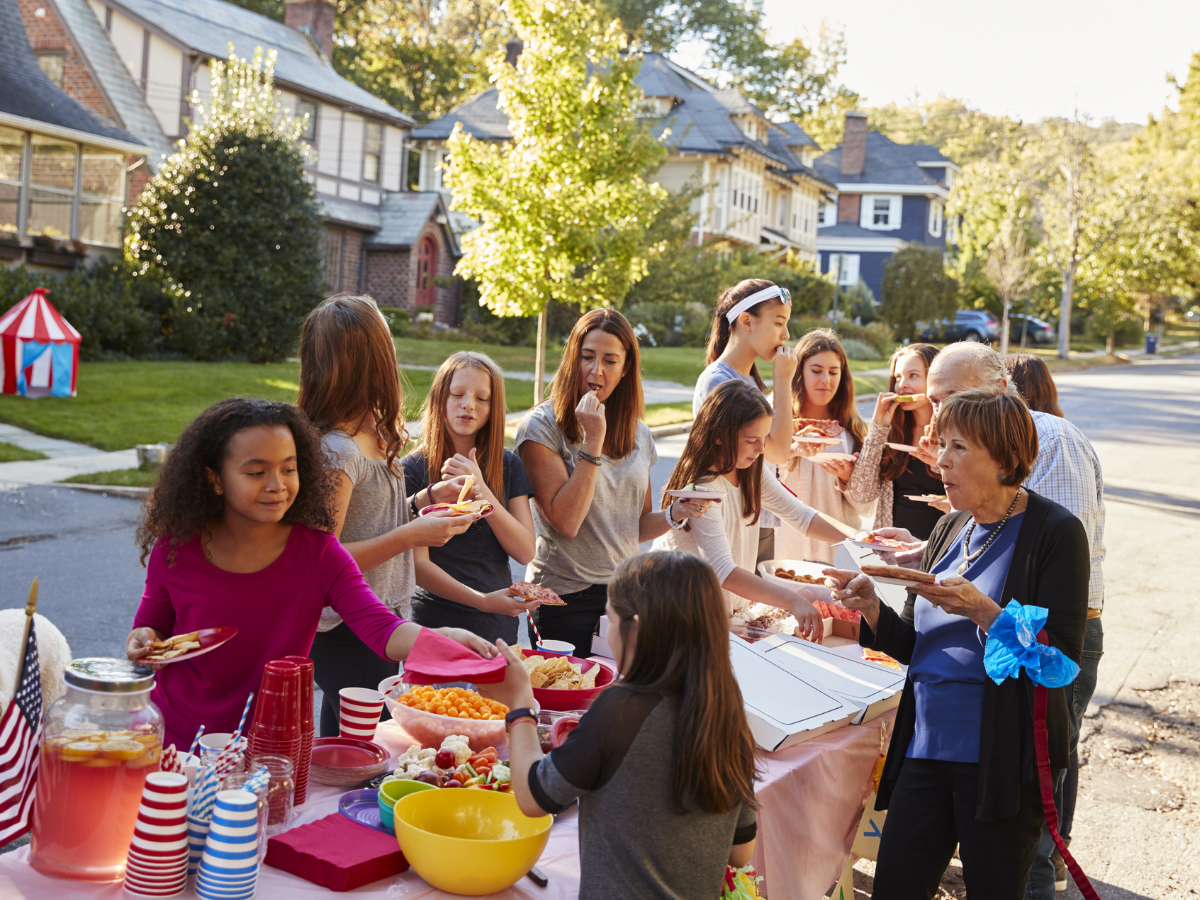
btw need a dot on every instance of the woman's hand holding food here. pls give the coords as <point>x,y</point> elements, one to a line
<point>927,448</point>
<point>514,691</point>
<point>437,527</point>
<point>469,640</point>
<point>811,627</point>
<point>784,366</point>
<point>458,467</point>
<point>506,603</point>
<point>447,490</point>
<point>960,597</point>
<point>885,408</point>
<point>802,450</point>
<point>590,413</point>
<point>909,556</point>
<point>138,643</point>
<point>856,591</point>
<point>841,468</point>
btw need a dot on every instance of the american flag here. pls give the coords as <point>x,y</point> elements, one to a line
<point>20,738</point>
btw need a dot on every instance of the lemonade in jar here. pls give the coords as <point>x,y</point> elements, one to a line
<point>99,741</point>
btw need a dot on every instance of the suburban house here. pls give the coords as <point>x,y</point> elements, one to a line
<point>889,195</point>
<point>759,184</point>
<point>62,166</point>
<point>136,63</point>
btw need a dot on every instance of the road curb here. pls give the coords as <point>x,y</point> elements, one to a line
<point>129,492</point>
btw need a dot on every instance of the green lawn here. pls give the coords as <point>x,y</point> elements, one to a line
<point>117,477</point>
<point>125,403</point>
<point>13,453</point>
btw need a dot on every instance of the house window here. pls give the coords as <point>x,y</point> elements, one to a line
<point>52,65</point>
<point>848,263</point>
<point>331,256</point>
<point>935,219</point>
<point>372,151</point>
<point>827,214</point>
<point>307,112</point>
<point>12,150</point>
<point>52,196</point>
<point>103,182</point>
<point>880,213</point>
<point>414,170</point>
<point>883,208</point>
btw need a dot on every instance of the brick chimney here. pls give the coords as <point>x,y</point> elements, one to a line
<point>854,143</point>
<point>512,51</point>
<point>314,18</point>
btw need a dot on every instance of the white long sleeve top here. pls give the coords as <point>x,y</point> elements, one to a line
<point>726,540</point>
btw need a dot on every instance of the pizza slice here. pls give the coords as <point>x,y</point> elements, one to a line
<point>817,427</point>
<point>527,591</point>
<point>899,572</point>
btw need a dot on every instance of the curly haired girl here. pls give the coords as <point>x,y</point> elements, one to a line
<point>237,533</point>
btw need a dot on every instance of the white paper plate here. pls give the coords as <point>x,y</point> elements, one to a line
<point>879,548</point>
<point>816,439</point>
<point>715,496</point>
<point>926,498</point>
<point>903,448</point>
<point>830,456</point>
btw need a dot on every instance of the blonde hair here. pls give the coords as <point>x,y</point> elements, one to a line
<point>436,444</point>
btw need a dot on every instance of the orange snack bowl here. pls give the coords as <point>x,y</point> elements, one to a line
<point>469,842</point>
<point>429,729</point>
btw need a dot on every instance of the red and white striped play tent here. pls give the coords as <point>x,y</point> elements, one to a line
<point>40,349</point>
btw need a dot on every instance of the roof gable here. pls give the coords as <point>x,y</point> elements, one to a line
<point>886,163</point>
<point>404,215</point>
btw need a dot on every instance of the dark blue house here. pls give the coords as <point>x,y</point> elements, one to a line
<point>889,195</point>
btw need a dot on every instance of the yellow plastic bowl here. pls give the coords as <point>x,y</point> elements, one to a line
<point>468,841</point>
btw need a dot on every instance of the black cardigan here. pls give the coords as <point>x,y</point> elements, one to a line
<point>1050,568</point>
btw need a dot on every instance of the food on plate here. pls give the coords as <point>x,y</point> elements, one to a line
<point>455,702</point>
<point>468,484</point>
<point>836,611</point>
<point>910,398</point>
<point>174,646</point>
<point>767,618</point>
<point>866,537</point>
<point>462,508</point>
<point>817,427</point>
<point>882,658</point>
<point>898,572</point>
<point>789,575</point>
<point>454,765</point>
<point>527,591</point>
<point>557,673</point>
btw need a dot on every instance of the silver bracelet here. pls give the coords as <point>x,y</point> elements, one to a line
<point>677,526</point>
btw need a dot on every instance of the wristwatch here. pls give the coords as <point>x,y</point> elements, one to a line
<point>516,715</point>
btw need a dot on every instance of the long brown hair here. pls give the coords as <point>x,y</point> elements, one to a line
<point>348,371</point>
<point>841,407</point>
<point>718,333</point>
<point>894,463</point>
<point>1033,381</point>
<point>625,406</point>
<point>712,444</point>
<point>682,650</point>
<point>183,500</point>
<point>436,444</point>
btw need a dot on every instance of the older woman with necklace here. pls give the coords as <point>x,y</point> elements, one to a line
<point>961,767</point>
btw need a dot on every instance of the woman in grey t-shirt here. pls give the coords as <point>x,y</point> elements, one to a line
<point>588,454</point>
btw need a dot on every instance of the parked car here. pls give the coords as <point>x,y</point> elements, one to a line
<point>1036,330</point>
<point>968,325</point>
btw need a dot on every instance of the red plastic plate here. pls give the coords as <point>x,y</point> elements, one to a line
<point>209,638</point>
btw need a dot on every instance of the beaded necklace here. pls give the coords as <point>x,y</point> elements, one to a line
<point>969,557</point>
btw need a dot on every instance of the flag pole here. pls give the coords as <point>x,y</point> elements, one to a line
<point>30,606</point>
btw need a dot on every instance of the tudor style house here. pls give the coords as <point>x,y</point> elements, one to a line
<point>135,63</point>
<point>759,184</point>
<point>889,195</point>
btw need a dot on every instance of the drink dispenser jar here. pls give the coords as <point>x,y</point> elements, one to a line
<point>99,741</point>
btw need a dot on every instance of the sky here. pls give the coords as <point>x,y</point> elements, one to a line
<point>1025,58</point>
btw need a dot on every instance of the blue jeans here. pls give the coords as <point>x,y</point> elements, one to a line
<point>1079,695</point>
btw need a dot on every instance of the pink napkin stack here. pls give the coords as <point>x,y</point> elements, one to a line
<point>435,659</point>
<point>157,864</point>
<point>307,726</point>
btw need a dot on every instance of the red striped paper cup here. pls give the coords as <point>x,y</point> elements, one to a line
<point>360,712</point>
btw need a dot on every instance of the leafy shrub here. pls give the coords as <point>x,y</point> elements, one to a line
<point>856,349</point>
<point>114,313</point>
<point>672,324</point>
<point>859,303</point>
<point>916,289</point>
<point>233,221</point>
<point>876,336</point>
<point>481,324</point>
<point>1127,332</point>
<point>399,320</point>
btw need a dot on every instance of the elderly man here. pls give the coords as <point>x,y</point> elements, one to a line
<point>1067,471</point>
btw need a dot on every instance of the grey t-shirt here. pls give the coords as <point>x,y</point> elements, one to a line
<point>620,762</point>
<point>609,532</point>
<point>377,505</point>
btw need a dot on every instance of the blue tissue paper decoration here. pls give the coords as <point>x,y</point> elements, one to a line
<point>1012,643</point>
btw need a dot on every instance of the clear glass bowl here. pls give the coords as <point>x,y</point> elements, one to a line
<point>429,729</point>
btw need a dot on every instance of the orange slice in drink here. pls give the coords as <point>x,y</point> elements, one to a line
<point>101,763</point>
<point>146,739</point>
<point>121,750</point>
<point>149,758</point>
<point>80,751</point>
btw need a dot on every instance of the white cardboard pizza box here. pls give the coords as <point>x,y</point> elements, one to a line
<point>600,647</point>
<point>873,688</point>
<point>782,708</point>
<point>848,556</point>
<point>603,632</point>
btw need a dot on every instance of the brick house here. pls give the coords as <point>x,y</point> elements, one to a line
<point>889,195</point>
<point>759,184</point>
<point>63,167</point>
<point>137,62</point>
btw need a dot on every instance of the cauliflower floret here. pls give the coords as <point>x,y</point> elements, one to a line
<point>425,754</point>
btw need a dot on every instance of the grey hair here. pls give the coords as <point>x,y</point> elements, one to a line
<point>983,362</point>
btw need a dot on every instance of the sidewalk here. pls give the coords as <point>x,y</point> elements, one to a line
<point>66,458</point>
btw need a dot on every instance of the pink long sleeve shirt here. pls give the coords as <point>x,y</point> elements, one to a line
<point>275,610</point>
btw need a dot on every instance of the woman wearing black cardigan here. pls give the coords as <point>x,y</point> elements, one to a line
<point>961,769</point>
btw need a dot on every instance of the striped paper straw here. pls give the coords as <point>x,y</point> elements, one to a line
<point>242,722</point>
<point>196,742</point>
<point>258,780</point>
<point>536,634</point>
<point>170,760</point>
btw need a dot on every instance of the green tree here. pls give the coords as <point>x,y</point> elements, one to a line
<point>231,222</point>
<point>565,205</point>
<point>916,288</point>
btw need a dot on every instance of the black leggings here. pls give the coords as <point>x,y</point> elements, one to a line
<point>342,660</point>
<point>932,809</point>
<point>576,622</point>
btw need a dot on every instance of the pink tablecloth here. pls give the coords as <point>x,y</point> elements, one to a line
<point>812,797</point>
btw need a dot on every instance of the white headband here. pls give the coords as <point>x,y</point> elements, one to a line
<point>753,300</point>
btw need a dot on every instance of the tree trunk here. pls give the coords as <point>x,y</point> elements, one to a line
<point>1064,316</point>
<point>1110,343</point>
<point>1004,329</point>
<point>539,364</point>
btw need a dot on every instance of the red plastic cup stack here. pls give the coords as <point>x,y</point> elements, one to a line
<point>276,728</point>
<point>307,725</point>
<point>157,863</point>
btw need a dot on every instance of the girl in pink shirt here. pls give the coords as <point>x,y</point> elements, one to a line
<point>237,533</point>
